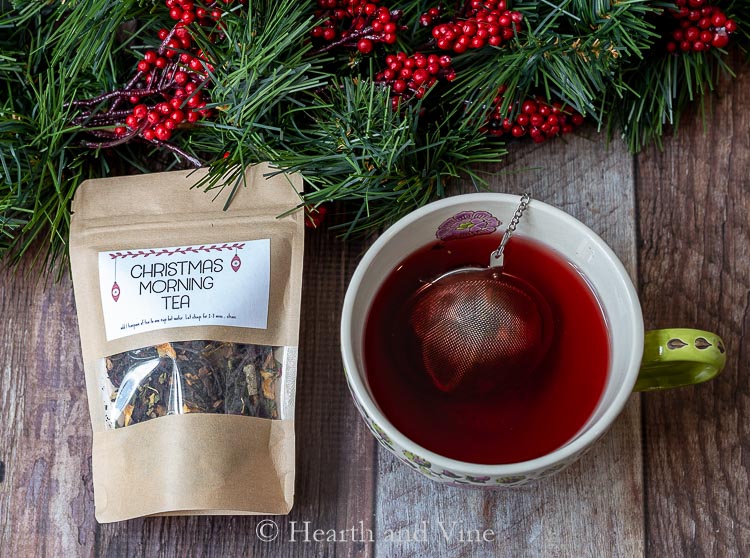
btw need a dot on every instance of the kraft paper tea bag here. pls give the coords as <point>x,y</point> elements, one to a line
<point>189,319</point>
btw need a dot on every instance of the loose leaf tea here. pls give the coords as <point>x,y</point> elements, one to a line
<point>191,377</point>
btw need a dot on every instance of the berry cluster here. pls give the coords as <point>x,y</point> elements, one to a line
<point>356,23</point>
<point>168,88</point>
<point>413,76</point>
<point>700,27</point>
<point>486,22</point>
<point>536,118</point>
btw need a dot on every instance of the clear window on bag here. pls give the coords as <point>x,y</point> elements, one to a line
<point>197,377</point>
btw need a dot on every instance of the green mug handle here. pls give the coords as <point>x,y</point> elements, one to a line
<point>679,357</point>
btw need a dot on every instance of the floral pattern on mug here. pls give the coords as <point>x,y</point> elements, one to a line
<point>467,223</point>
<point>416,459</point>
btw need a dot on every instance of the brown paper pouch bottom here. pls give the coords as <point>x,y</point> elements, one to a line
<point>194,464</point>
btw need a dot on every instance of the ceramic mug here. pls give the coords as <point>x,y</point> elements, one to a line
<point>638,361</point>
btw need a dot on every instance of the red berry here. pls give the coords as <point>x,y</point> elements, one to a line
<point>517,131</point>
<point>529,107</point>
<point>719,19</point>
<point>420,76</point>
<point>162,133</point>
<point>365,46</point>
<point>315,216</point>
<point>720,40</point>
<point>730,26</point>
<point>143,66</point>
<point>148,134</point>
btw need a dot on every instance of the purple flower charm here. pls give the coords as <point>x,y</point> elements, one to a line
<point>467,223</point>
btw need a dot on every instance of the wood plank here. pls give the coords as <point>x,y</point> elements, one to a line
<point>594,508</point>
<point>694,201</point>
<point>335,452</point>
<point>46,502</point>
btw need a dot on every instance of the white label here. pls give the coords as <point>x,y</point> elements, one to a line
<point>213,284</point>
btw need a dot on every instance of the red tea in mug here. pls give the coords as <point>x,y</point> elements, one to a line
<point>517,421</point>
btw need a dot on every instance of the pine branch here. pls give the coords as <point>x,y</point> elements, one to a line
<point>41,162</point>
<point>384,163</point>
<point>570,50</point>
<point>276,95</point>
<point>659,89</point>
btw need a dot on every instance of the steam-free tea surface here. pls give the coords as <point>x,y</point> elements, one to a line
<point>521,417</point>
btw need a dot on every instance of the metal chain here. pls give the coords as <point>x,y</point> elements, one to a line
<point>496,257</point>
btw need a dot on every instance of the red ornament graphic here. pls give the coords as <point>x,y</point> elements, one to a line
<point>115,291</point>
<point>236,263</point>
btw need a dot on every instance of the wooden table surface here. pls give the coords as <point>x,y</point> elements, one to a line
<point>669,479</point>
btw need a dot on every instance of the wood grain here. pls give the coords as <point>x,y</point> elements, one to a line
<point>694,202</point>
<point>568,514</point>
<point>46,502</point>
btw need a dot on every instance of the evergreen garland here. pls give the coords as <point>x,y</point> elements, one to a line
<point>276,86</point>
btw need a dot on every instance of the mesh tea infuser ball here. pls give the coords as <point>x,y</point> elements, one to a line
<point>479,327</point>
